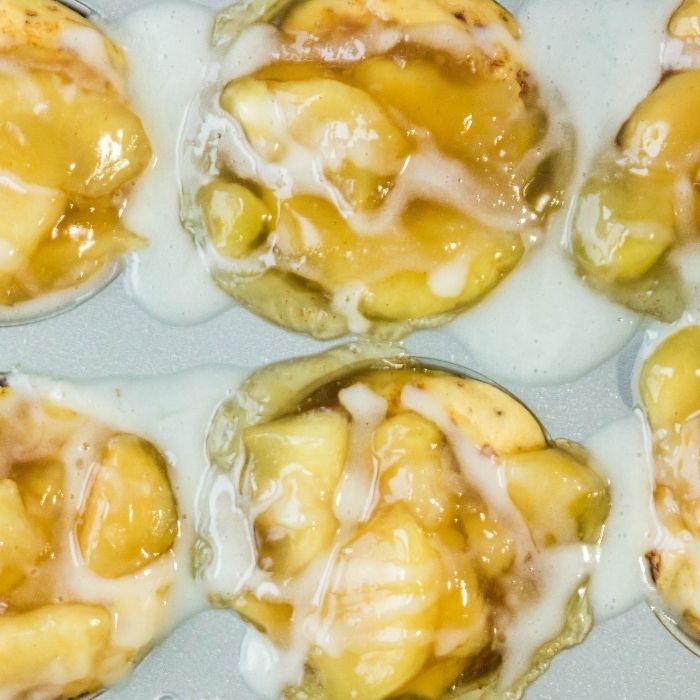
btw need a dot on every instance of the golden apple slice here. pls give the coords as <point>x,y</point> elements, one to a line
<point>491,419</point>
<point>130,517</point>
<point>438,260</point>
<point>480,119</point>
<point>52,647</point>
<point>435,680</point>
<point>21,543</point>
<point>236,219</point>
<point>294,466</point>
<point>87,239</point>
<point>29,214</point>
<point>563,500</point>
<point>84,143</point>
<point>391,569</point>
<point>685,22</point>
<point>463,622</point>
<point>410,454</point>
<point>40,484</point>
<point>48,32</point>
<point>270,617</point>
<point>662,131</point>
<point>670,380</point>
<point>488,255</point>
<point>318,16</point>
<point>624,224</point>
<point>493,550</point>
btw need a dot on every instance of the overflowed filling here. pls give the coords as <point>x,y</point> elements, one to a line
<point>412,532</point>
<point>69,148</point>
<point>371,165</point>
<point>670,394</point>
<point>639,210</point>
<point>87,524</point>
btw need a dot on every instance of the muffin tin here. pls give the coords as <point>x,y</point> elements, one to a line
<point>631,655</point>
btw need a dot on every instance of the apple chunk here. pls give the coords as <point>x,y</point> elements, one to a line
<point>130,518</point>
<point>294,465</point>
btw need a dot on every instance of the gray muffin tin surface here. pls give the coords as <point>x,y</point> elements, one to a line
<point>631,656</point>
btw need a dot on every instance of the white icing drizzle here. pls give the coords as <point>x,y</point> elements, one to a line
<point>620,453</point>
<point>558,571</point>
<point>556,326</point>
<point>355,496</point>
<point>232,556</point>
<point>168,278</point>
<point>266,669</point>
<point>447,280</point>
<point>346,301</point>
<point>679,54</point>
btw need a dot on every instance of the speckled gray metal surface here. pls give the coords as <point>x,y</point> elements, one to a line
<point>631,656</point>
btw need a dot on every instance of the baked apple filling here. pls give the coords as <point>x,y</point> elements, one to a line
<point>69,148</point>
<point>404,525</point>
<point>641,206</point>
<point>372,166</point>
<point>682,50</point>
<point>87,525</point>
<point>670,394</point>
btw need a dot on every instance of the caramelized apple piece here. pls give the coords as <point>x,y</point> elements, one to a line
<point>410,454</point>
<point>624,224</point>
<point>70,147</point>
<point>89,236</point>
<point>39,31</point>
<point>40,484</point>
<point>480,119</point>
<point>489,417</point>
<point>463,622</point>
<point>294,466</point>
<point>487,256</point>
<point>358,144</point>
<point>493,550</point>
<point>670,381</point>
<point>270,617</point>
<point>390,568</point>
<point>21,543</point>
<point>236,219</point>
<point>53,647</point>
<point>29,214</point>
<point>662,131</point>
<point>677,580</point>
<point>130,517</point>
<point>685,22</point>
<point>563,500</point>
<point>435,680</point>
<point>84,143</point>
<point>399,261</point>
